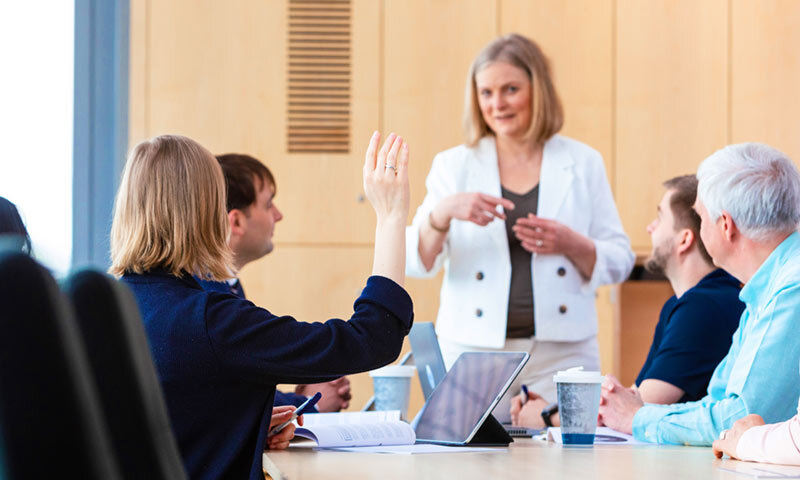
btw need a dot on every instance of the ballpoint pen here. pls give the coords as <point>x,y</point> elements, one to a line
<point>300,410</point>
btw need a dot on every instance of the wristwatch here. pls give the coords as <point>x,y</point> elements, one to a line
<point>548,412</point>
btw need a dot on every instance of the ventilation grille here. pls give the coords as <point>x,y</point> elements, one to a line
<point>319,76</point>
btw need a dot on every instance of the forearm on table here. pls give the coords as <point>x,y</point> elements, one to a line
<point>773,443</point>
<point>693,423</point>
<point>390,249</point>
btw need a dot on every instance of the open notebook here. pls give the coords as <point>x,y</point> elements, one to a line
<point>357,429</point>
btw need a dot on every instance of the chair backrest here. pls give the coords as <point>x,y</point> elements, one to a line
<point>126,378</point>
<point>50,420</point>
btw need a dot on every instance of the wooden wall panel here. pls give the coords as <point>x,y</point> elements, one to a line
<point>671,99</point>
<point>765,106</point>
<point>322,195</point>
<point>218,77</point>
<point>428,47</point>
<point>137,85</point>
<point>221,79</point>
<point>577,37</point>
<point>641,305</point>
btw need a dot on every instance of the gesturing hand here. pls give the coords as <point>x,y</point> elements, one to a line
<point>528,414</point>
<point>386,177</point>
<point>335,394</point>
<point>539,235</point>
<point>478,208</point>
<point>730,438</point>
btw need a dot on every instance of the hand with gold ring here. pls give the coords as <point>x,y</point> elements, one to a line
<point>385,176</point>
<point>729,439</point>
<point>386,187</point>
<point>551,237</point>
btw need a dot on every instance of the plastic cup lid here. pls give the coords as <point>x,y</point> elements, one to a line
<point>578,375</point>
<point>394,371</point>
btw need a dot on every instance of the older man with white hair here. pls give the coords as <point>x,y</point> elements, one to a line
<point>748,200</point>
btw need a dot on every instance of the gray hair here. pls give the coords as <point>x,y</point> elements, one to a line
<point>756,184</point>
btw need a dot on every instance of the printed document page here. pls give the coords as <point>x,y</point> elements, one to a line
<point>350,418</point>
<point>359,435</point>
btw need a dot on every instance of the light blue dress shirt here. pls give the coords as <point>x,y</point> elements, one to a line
<point>759,373</point>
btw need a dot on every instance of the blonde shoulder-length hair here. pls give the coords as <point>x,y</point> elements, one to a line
<point>169,213</point>
<point>547,115</point>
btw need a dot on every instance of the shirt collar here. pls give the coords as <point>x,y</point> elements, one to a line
<point>758,290</point>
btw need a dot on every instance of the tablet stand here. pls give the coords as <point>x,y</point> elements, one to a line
<point>490,433</point>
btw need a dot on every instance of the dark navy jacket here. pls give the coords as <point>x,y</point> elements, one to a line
<point>219,358</point>
<point>694,334</point>
<point>281,398</point>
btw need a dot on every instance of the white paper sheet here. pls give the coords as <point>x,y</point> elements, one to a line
<point>416,449</point>
<point>359,435</point>
<point>602,436</point>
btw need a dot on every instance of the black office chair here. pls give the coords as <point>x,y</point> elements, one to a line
<point>50,420</point>
<point>125,376</point>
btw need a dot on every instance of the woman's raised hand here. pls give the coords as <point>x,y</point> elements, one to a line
<point>478,208</point>
<point>386,186</point>
<point>386,177</point>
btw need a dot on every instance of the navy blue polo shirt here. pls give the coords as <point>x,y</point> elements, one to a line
<point>694,334</point>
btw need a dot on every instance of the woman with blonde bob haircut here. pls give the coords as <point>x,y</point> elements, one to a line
<point>524,224</point>
<point>151,231</point>
<point>219,356</point>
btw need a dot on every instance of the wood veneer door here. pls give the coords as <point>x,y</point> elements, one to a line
<point>765,66</point>
<point>577,38</point>
<point>671,110</point>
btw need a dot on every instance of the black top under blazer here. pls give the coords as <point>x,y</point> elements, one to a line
<point>219,358</point>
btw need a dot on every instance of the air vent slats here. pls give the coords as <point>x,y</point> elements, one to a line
<point>319,70</point>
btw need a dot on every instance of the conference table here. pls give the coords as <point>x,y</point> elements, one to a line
<point>524,459</point>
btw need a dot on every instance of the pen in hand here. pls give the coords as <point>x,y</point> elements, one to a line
<point>304,408</point>
<point>524,394</point>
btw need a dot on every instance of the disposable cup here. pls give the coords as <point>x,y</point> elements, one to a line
<point>578,404</point>
<point>392,385</point>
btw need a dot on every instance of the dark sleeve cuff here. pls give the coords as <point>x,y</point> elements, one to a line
<point>391,296</point>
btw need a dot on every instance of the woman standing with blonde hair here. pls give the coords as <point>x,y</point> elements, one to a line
<point>218,356</point>
<point>523,222</point>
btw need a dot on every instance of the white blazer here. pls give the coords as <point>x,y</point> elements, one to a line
<point>574,190</point>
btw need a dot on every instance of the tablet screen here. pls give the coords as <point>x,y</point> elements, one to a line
<point>467,394</point>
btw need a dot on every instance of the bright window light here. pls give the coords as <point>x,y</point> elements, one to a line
<point>36,94</point>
